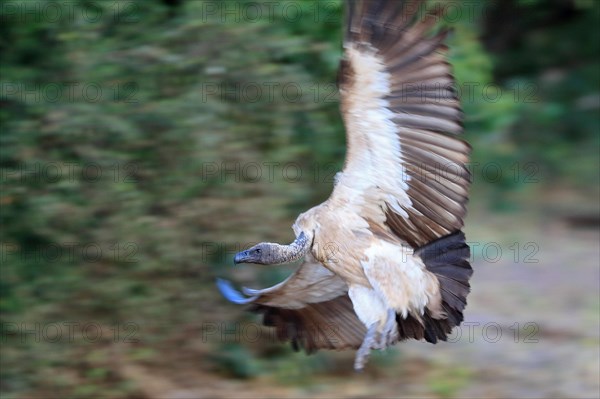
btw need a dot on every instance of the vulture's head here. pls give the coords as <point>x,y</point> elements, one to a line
<point>261,254</point>
<point>267,253</point>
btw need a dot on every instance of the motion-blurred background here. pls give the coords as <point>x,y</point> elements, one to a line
<point>143,143</point>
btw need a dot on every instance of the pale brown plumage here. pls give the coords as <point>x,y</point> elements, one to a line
<point>387,258</point>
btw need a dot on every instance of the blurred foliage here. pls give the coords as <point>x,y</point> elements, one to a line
<point>120,121</point>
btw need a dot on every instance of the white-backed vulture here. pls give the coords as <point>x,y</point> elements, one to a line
<point>384,257</point>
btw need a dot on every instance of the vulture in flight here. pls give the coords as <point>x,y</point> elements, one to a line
<point>384,257</point>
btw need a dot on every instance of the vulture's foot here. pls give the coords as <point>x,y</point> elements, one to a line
<point>389,335</point>
<point>365,348</point>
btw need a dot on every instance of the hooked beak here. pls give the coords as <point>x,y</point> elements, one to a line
<point>241,257</point>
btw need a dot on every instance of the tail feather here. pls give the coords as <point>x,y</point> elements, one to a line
<point>448,259</point>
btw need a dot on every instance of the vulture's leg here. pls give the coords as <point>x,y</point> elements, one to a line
<point>389,335</point>
<point>365,349</point>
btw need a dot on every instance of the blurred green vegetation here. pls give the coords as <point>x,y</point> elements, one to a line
<point>119,122</point>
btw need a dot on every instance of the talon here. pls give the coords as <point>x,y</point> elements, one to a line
<point>389,335</point>
<point>365,348</point>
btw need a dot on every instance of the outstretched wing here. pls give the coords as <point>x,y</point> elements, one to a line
<point>311,308</point>
<point>405,167</point>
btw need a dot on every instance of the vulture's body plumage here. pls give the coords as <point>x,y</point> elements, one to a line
<point>384,256</point>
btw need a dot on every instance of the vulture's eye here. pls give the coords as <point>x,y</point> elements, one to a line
<point>257,251</point>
